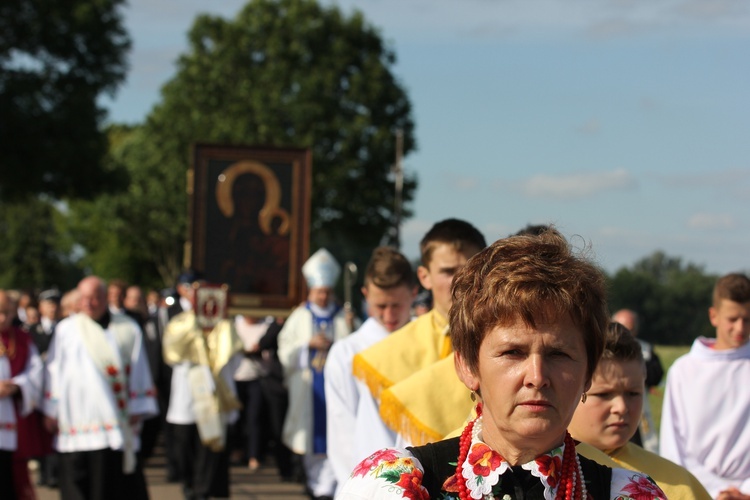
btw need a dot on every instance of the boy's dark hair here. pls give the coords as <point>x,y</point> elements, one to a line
<point>620,345</point>
<point>734,287</point>
<point>388,268</point>
<point>459,234</point>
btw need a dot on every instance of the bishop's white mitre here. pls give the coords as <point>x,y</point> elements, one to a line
<point>321,270</point>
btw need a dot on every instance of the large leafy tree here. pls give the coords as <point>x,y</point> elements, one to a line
<point>288,73</point>
<point>135,234</point>
<point>56,59</point>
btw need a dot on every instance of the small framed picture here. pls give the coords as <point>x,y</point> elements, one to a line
<point>250,223</point>
<point>210,304</point>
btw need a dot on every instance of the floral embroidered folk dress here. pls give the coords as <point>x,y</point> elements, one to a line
<point>397,473</point>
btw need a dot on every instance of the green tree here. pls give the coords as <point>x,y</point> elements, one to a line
<point>132,234</point>
<point>56,59</point>
<point>672,298</point>
<point>288,73</point>
<point>35,253</point>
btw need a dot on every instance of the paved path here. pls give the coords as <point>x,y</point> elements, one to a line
<point>263,484</point>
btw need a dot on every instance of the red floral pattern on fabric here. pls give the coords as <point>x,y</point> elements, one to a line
<point>451,484</point>
<point>483,459</point>
<point>111,371</point>
<point>369,463</point>
<point>642,488</point>
<point>550,466</point>
<point>411,482</point>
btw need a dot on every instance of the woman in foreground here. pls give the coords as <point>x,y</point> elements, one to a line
<point>527,325</point>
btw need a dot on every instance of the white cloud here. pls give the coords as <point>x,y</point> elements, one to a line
<point>725,178</point>
<point>715,9</point>
<point>597,19</point>
<point>462,183</point>
<point>648,104</point>
<point>704,221</point>
<point>577,185</point>
<point>591,127</point>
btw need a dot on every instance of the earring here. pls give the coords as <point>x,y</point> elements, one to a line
<point>473,396</point>
<point>584,396</point>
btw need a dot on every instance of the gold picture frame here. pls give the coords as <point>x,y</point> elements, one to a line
<point>250,223</point>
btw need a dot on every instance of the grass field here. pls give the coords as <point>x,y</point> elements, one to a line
<point>667,354</point>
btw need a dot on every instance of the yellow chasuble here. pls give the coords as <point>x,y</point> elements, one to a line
<point>415,346</point>
<point>674,480</point>
<point>184,340</point>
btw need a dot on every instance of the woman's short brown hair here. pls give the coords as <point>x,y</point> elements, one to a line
<point>532,279</point>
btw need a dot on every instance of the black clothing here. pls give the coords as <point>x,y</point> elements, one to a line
<point>97,475</point>
<point>439,462</point>
<point>205,472</point>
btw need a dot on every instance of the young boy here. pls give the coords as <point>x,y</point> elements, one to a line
<point>445,248</point>
<point>707,404</point>
<point>611,413</point>
<point>354,426</point>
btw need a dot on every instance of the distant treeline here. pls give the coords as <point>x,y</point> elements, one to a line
<point>671,298</point>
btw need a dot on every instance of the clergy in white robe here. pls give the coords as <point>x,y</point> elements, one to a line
<point>300,362</point>
<point>99,389</point>
<point>303,347</point>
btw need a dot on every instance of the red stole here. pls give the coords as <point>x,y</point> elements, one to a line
<point>16,343</point>
<point>33,438</point>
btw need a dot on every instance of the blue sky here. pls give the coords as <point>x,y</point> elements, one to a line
<point>624,122</point>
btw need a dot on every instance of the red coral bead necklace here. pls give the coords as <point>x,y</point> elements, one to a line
<point>570,487</point>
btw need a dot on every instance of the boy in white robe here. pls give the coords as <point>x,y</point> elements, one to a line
<point>354,427</point>
<point>707,405</point>
<point>99,389</point>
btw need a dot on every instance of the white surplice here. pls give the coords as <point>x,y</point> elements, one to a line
<point>294,340</point>
<point>355,429</point>
<point>81,398</point>
<point>181,395</point>
<point>29,383</point>
<point>705,414</point>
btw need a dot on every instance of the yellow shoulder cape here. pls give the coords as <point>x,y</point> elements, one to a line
<point>428,405</point>
<point>415,346</point>
<point>184,340</point>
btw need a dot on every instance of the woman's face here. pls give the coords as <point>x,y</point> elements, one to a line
<point>612,411</point>
<point>530,381</point>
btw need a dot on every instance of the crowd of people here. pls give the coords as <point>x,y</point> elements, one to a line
<point>504,377</point>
